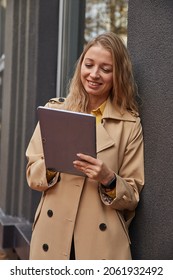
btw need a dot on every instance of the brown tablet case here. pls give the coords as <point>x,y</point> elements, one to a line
<point>64,134</point>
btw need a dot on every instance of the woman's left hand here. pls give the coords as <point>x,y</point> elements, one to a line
<point>94,168</point>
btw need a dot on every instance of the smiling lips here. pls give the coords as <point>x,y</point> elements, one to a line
<point>94,84</point>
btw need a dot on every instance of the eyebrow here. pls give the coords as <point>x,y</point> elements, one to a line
<point>105,64</point>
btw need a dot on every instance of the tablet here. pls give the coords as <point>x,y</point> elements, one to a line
<point>64,134</point>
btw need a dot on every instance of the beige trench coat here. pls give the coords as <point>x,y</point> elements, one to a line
<point>74,205</point>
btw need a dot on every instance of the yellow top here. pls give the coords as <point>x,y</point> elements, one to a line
<point>99,112</point>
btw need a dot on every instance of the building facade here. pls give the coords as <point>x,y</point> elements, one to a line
<point>42,41</point>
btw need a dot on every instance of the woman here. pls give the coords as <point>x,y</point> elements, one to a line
<point>87,217</point>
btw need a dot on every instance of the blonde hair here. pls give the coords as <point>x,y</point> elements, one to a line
<point>124,87</point>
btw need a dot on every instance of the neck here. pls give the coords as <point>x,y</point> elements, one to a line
<point>94,103</point>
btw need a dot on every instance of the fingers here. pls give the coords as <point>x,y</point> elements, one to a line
<point>81,165</point>
<point>85,161</point>
<point>87,158</point>
<point>93,168</point>
<point>88,165</point>
<point>85,164</point>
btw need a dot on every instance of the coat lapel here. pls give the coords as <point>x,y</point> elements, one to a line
<point>104,141</point>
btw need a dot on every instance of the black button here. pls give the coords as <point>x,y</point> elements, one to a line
<point>50,213</point>
<point>45,247</point>
<point>102,227</point>
<point>61,99</point>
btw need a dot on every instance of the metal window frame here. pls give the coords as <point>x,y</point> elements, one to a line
<point>70,40</point>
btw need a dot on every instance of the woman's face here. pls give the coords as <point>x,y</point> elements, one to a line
<point>97,72</point>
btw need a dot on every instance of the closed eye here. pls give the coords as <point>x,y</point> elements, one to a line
<point>106,70</point>
<point>88,65</point>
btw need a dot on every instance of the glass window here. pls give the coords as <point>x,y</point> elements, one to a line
<point>106,15</point>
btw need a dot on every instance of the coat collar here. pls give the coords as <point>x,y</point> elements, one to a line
<point>114,112</point>
<point>104,140</point>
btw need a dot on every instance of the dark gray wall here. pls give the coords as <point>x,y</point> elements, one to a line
<point>150,42</point>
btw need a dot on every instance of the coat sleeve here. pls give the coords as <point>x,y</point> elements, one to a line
<point>35,169</point>
<point>130,178</point>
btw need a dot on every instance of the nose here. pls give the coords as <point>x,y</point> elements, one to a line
<point>95,73</point>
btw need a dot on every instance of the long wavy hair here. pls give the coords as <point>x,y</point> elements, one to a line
<point>124,88</point>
